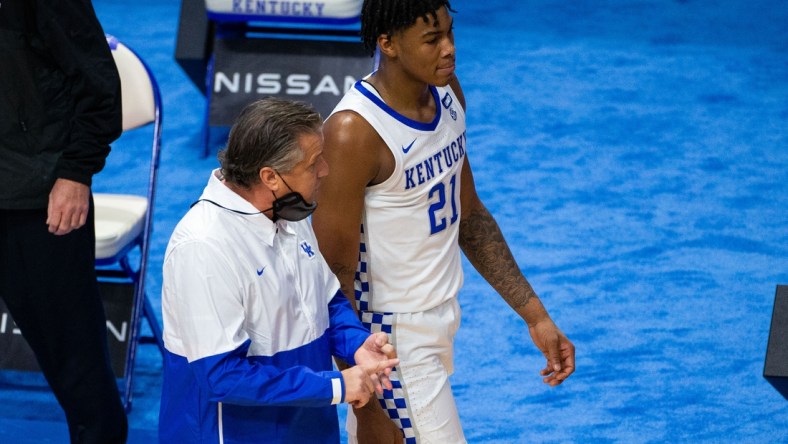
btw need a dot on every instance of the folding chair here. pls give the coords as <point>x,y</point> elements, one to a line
<point>124,221</point>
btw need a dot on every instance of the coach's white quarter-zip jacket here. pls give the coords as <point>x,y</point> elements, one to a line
<point>252,315</point>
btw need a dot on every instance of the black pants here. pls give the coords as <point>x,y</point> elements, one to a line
<point>49,285</point>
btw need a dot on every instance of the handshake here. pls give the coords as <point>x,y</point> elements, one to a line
<point>374,361</point>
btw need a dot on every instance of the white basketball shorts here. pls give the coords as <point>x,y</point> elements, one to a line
<point>421,403</point>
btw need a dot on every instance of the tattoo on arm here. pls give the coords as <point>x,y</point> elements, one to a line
<point>485,247</point>
<point>346,275</point>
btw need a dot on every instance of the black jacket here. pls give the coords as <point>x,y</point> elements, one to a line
<point>60,102</point>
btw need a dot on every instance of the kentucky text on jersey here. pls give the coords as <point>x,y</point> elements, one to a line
<point>423,171</point>
<point>279,7</point>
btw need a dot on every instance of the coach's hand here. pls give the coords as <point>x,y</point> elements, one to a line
<point>363,380</point>
<point>374,350</point>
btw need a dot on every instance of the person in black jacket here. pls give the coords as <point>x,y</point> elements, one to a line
<point>60,108</point>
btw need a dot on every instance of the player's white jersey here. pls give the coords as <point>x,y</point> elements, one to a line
<point>409,256</point>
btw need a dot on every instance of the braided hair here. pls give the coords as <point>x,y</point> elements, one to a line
<point>380,17</point>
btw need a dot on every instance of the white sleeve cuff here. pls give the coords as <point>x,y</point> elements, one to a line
<point>336,386</point>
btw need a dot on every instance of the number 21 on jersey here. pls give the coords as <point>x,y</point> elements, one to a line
<point>438,211</point>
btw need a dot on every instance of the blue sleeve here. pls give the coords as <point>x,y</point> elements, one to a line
<point>234,378</point>
<point>345,330</point>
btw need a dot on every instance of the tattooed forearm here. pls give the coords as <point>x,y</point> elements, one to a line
<point>346,275</point>
<point>483,244</point>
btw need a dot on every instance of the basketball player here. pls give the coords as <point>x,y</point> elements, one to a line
<point>395,212</point>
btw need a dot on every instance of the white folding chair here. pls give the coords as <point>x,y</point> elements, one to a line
<point>124,221</point>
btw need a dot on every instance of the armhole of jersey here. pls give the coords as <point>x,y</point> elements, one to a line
<point>398,168</point>
<point>362,103</point>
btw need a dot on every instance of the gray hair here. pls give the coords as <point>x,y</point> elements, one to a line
<point>266,135</point>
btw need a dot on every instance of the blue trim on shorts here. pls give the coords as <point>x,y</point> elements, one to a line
<point>393,401</point>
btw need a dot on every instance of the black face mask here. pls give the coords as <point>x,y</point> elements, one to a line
<point>291,206</point>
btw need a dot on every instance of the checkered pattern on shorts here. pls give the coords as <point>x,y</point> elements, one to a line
<point>362,292</point>
<point>393,401</point>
